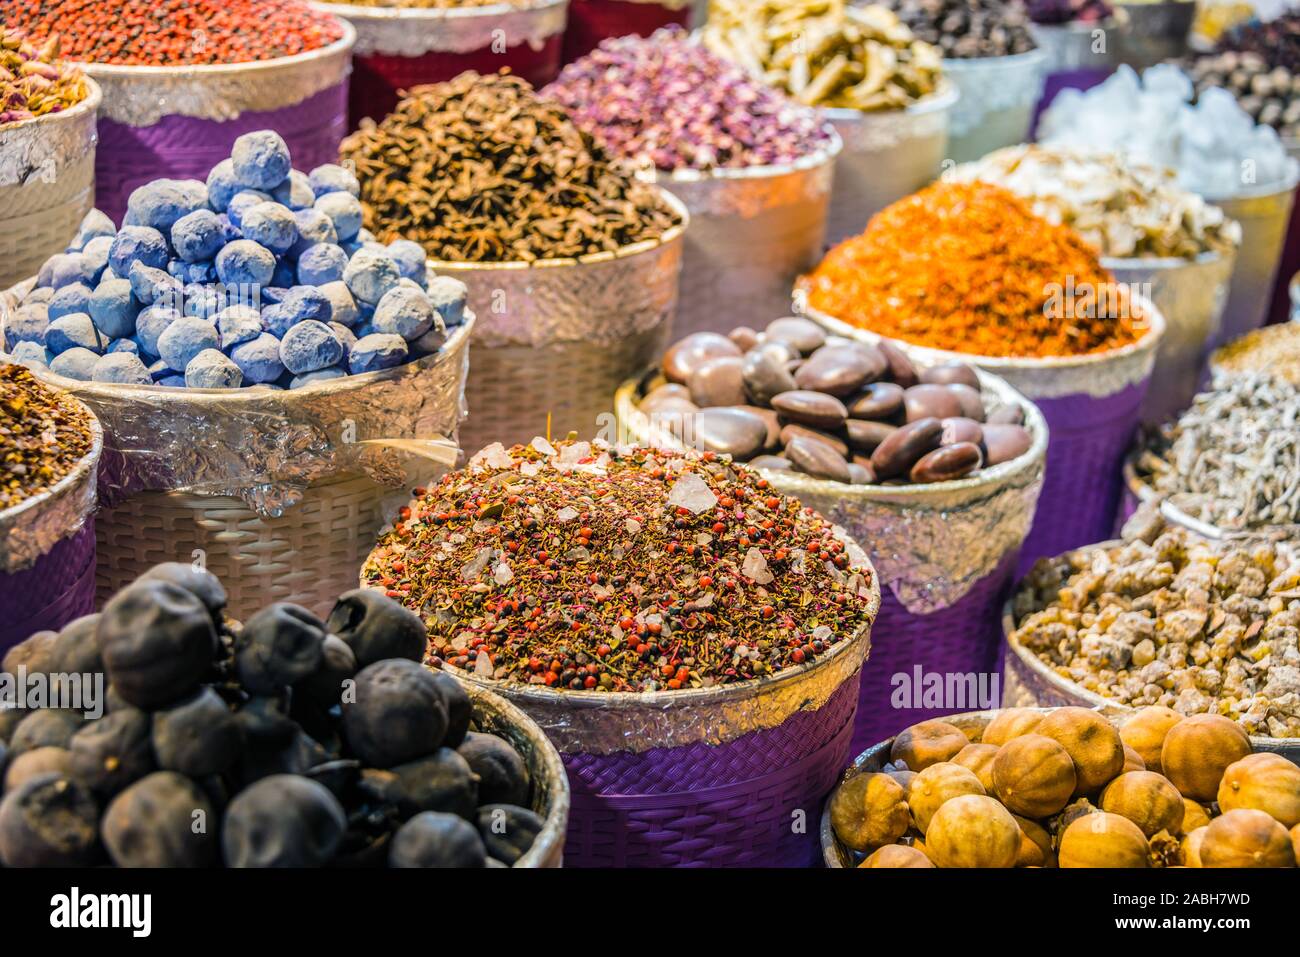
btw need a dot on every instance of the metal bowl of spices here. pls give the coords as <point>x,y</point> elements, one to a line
<point>945,553</point>
<point>886,156</point>
<point>1029,681</point>
<point>179,121</point>
<point>400,47</point>
<point>997,99</point>
<point>493,714</point>
<point>47,183</point>
<point>1091,405</point>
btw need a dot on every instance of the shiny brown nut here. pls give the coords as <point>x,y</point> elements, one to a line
<point>795,430</point>
<point>865,435</point>
<point>947,463</point>
<point>684,356</point>
<point>775,462</point>
<point>950,373</point>
<point>896,455</point>
<point>972,404</point>
<point>860,474</point>
<point>807,407</point>
<point>817,459</point>
<point>803,334</point>
<point>1002,443</point>
<point>961,429</point>
<point>931,401</point>
<point>901,369</point>
<point>744,337</point>
<point>773,424</point>
<point>879,400</point>
<point>1010,414</point>
<point>718,381</point>
<point>841,371</point>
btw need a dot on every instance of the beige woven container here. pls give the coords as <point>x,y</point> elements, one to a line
<point>493,714</point>
<point>886,156</point>
<point>555,338</point>
<point>753,233</point>
<point>1028,681</point>
<point>47,184</point>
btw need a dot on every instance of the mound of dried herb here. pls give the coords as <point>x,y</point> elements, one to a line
<point>583,567</point>
<point>43,435</point>
<point>34,82</point>
<point>1271,350</point>
<point>481,169</point>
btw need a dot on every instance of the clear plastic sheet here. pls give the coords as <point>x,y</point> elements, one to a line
<point>930,543</point>
<point>143,95</point>
<point>413,32</point>
<point>34,526</point>
<point>47,147</point>
<point>265,445</point>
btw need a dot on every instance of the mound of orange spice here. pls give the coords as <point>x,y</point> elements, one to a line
<point>969,268</point>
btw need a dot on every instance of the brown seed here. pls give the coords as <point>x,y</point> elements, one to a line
<point>688,354</point>
<point>765,374</point>
<point>718,381</point>
<point>744,337</point>
<point>808,407</point>
<point>926,401</point>
<point>947,373</point>
<point>1002,443</point>
<point>902,449</point>
<point>880,400</point>
<point>817,459</point>
<point>840,370</point>
<point>901,369</point>
<point>972,406</point>
<point>961,429</point>
<point>1009,414</point>
<point>775,462</point>
<point>804,334</point>
<point>865,436</point>
<point>731,431</point>
<point>773,424</point>
<point>794,431</point>
<point>947,463</point>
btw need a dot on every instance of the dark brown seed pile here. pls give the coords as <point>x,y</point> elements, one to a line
<point>43,434</point>
<point>480,169</point>
<point>587,568</point>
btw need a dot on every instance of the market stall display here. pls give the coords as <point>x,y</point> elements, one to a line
<point>941,504</point>
<point>752,167</point>
<point>1215,149</point>
<point>571,261</point>
<point>1230,463</point>
<point>47,152</point>
<point>591,22</point>
<point>182,79</point>
<point>689,638</point>
<point>1065,787</point>
<point>264,374</point>
<point>297,741</point>
<point>49,451</point>
<point>968,271</point>
<point>1153,236</point>
<point>402,44</point>
<point>991,58</point>
<point>1168,618</point>
<point>880,87</point>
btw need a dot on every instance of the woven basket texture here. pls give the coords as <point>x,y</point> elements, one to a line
<point>731,805</point>
<point>308,556</point>
<point>38,218</point>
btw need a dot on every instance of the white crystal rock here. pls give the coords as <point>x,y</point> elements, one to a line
<point>692,493</point>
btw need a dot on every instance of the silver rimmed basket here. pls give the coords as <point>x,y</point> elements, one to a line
<point>556,337</point>
<point>753,232</point>
<point>886,156</point>
<point>47,184</point>
<point>996,105</point>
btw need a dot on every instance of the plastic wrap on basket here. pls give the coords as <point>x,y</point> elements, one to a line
<point>399,48</point>
<point>47,553</point>
<point>753,232</point>
<point>47,184</point>
<point>178,122</point>
<point>1091,405</point>
<point>945,554</point>
<point>708,777</point>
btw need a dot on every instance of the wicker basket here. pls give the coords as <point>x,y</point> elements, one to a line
<point>178,122</point>
<point>402,47</point>
<point>1030,682</point>
<point>1264,213</point>
<point>945,553</point>
<point>997,100</point>
<point>493,714</point>
<point>753,233</point>
<point>591,21</point>
<point>47,185</point>
<point>1091,404</point>
<point>709,777</point>
<point>555,338</point>
<point>47,553</point>
<point>1191,295</point>
<point>886,156</point>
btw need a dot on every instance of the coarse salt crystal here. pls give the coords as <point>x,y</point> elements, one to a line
<point>541,445</point>
<point>566,514</point>
<point>755,567</point>
<point>502,574</point>
<point>692,493</point>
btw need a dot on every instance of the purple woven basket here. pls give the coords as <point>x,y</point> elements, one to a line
<point>52,592</point>
<point>179,122</point>
<point>963,639</point>
<point>1089,437</point>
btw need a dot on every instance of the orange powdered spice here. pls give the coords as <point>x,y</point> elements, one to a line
<point>969,268</point>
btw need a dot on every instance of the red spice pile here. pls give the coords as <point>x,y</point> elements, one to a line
<point>968,267</point>
<point>579,568</point>
<point>171,32</point>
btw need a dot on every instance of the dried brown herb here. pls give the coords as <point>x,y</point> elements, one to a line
<point>582,567</point>
<point>43,435</point>
<point>480,169</point>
